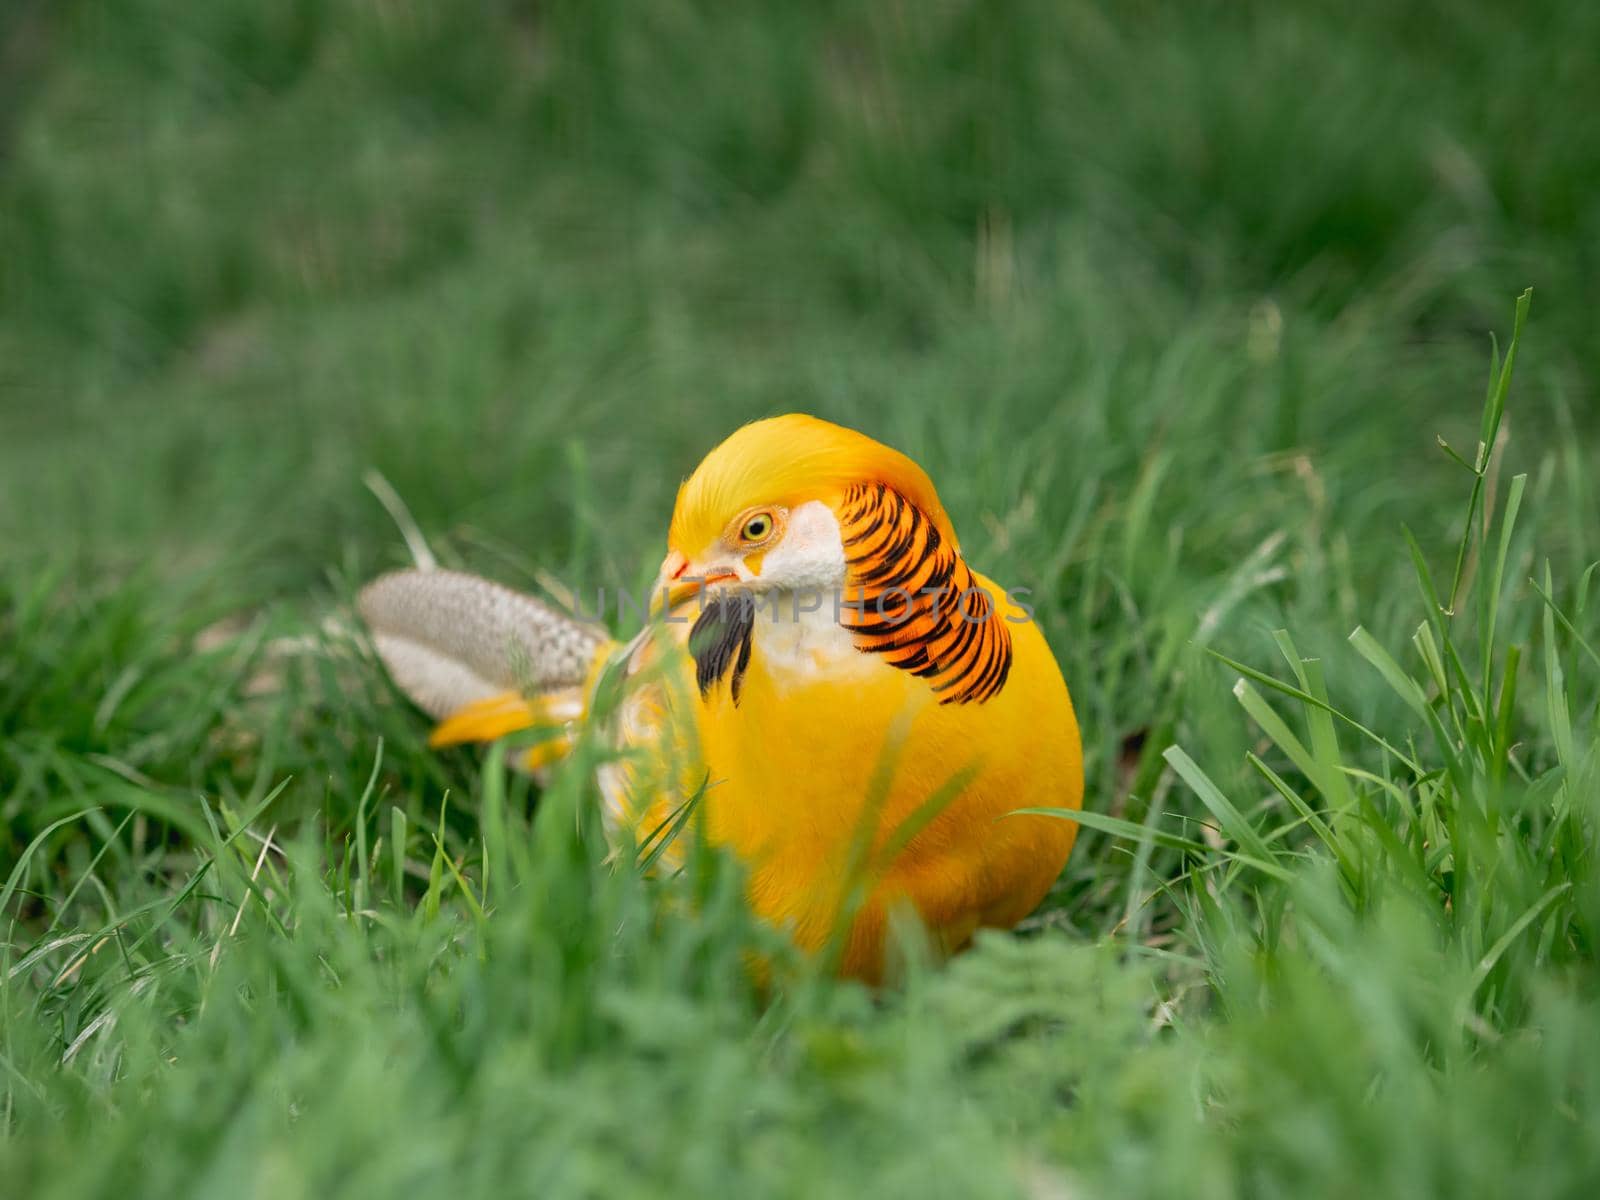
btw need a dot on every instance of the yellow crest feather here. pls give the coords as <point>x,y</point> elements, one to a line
<point>787,461</point>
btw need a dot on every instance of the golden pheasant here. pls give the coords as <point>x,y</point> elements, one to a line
<point>822,630</point>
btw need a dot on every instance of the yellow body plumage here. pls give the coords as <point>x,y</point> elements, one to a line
<point>796,758</point>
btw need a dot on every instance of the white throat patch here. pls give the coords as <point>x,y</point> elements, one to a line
<point>797,630</point>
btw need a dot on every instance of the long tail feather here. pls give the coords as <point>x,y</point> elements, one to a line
<point>461,646</point>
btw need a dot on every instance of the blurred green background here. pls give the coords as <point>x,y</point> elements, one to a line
<point>251,249</point>
<point>1171,300</point>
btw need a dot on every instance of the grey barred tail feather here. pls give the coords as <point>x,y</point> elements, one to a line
<point>450,639</point>
<point>914,601</point>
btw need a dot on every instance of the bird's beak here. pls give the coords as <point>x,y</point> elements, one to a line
<point>681,579</point>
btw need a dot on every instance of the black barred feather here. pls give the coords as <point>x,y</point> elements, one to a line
<point>720,640</point>
<point>912,599</point>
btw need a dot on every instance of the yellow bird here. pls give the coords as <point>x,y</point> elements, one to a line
<point>821,629</point>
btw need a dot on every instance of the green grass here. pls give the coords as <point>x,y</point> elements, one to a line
<point>1172,301</point>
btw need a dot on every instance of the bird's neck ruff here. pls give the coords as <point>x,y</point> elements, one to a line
<point>915,601</point>
<point>906,595</point>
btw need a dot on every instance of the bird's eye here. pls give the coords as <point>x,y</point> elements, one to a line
<point>757,527</point>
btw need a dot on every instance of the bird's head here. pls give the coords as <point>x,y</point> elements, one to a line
<point>761,510</point>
